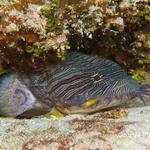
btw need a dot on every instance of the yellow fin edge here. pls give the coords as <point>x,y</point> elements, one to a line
<point>89,102</point>
<point>55,113</point>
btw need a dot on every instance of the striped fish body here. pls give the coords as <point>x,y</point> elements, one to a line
<point>85,84</point>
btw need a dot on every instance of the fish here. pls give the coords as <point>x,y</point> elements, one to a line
<point>83,84</point>
<point>86,84</point>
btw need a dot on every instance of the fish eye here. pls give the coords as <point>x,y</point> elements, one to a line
<point>97,77</point>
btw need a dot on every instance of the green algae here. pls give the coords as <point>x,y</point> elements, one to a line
<point>140,75</point>
<point>142,14</point>
<point>145,13</point>
<point>52,15</point>
<point>36,51</point>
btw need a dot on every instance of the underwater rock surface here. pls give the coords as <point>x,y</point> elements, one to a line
<point>77,132</point>
<point>38,32</point>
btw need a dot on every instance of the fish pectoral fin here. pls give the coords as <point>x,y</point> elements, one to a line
<point>54,113</point>
<point>89,102</point>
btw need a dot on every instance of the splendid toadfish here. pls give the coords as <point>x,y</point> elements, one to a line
<point>88,83</point>
<point>82,84</point>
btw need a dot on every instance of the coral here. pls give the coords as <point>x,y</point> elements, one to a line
<point>141,13</point>
<point>36,32</point>
<point>143,39</point>
<point>141,75</point>
<point>26,35</point>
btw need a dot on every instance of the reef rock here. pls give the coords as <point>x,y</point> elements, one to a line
<point>117,129</point>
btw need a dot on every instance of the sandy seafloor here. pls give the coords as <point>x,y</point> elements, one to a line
<point>79,132</point>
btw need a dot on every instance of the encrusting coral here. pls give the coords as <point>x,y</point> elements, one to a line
<point>38,32</point>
